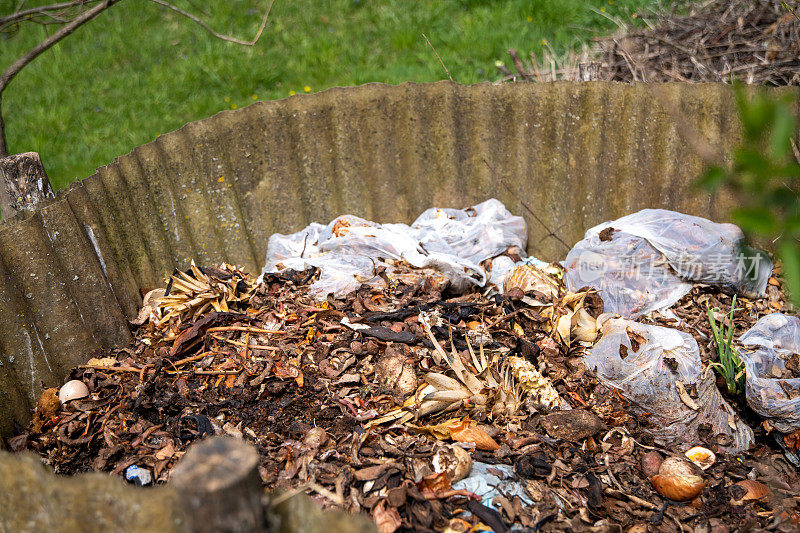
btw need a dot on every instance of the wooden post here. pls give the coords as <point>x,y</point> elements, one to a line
<point>219,487</point>
<point>23,183</point>
<point>588,71</point>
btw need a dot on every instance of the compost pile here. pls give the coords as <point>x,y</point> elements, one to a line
<point>435,409</point>
<point>753,41</point>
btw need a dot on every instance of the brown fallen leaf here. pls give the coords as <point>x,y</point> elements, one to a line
<point>434,484</point>
<point>438,431</point>
<point>285,371</point>
<point>372,472</point>
<point>754,490</point>
<point>166,452</point>
<point>685,398</point>
<point>386,518</point>
<point>792,440</point>
<point>462,432</point>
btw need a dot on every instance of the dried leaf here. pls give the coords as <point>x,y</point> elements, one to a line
<point>685,398</point>
<point>434,484</point>
<point>465,433</point>
<point>386,518</point>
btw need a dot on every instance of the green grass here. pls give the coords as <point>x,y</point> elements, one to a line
<point>140,70</point>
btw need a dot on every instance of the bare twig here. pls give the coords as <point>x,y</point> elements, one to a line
<point>789,9</point>
<point>518,64</point>
<point>42,10</point>
<point>214,33</point>
<point>518,196</point>
<point>709,45</point>
<point>535,67</point>
<point>57,11</point>
<point>644,503</point>
<point>437,55</point>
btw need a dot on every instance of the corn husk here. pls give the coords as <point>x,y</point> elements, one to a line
<point>530,278</point>
<point>479,383</point>
<point>194,293</point>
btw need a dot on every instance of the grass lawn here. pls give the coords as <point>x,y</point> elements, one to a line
<point>140,70</point>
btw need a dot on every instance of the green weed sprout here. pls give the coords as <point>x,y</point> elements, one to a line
<point>730,365</point>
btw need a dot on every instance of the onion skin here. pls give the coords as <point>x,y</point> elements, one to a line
<point>702,457</point>
<point>678,488</point>
<point>678,480</point>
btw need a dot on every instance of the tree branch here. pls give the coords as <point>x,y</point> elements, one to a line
<point>205,26</point>
<point>42,10</point>
<point>54,10</point>
<point>33,53</point>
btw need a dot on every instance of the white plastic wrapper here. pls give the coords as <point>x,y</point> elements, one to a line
<point>645,261</point>
<point>773,340</point>
<point>656,369</point>
<point>490,481</point>
<point>349,250</point>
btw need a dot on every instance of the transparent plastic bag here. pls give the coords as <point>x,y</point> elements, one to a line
<point>349,250</point>
<point>650,365</point>
<point>778,331</point>
<point>773,341</point>
<point>643,262</point>
<point>632,277</point>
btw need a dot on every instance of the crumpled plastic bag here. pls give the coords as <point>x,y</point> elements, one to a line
<point>644,261</point>
<point>490,481</point>
<point>349,250</point>
<point>773,340</point>
<point>656,369</point>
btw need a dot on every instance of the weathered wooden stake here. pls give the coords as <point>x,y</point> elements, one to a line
<point>23,183</point>
<point>219,486</point>
<point>589,71</point>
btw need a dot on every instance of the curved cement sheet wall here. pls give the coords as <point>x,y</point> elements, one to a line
<point>575,153</point>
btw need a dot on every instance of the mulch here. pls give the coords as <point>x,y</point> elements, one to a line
<point>330,393</point>
<point>751,41</point>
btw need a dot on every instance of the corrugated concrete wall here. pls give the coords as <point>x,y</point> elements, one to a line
<point>575,153</point>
